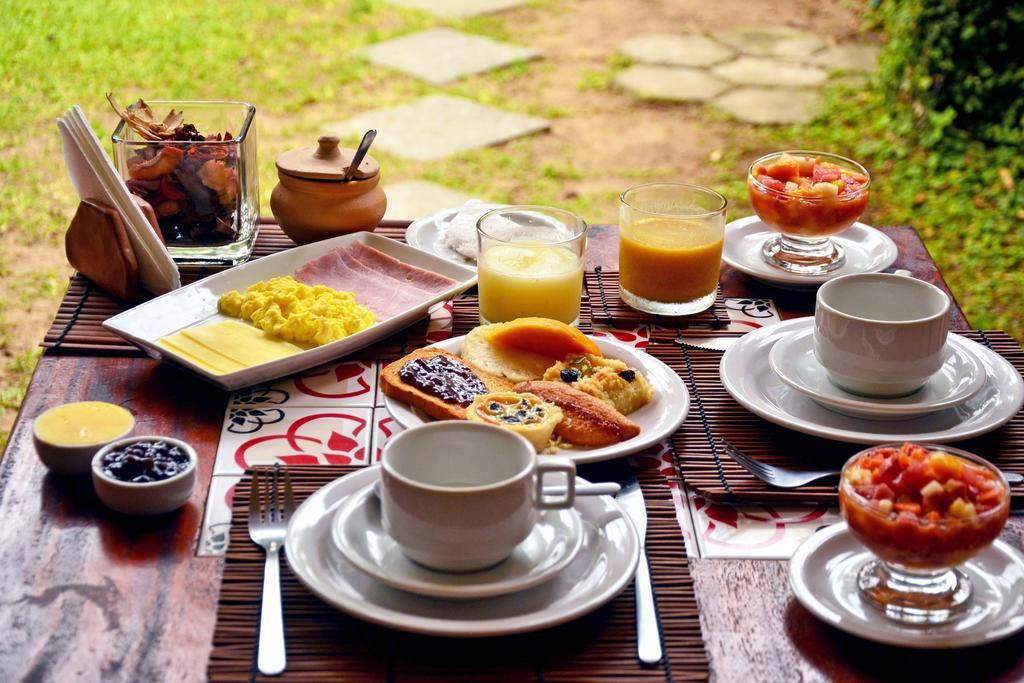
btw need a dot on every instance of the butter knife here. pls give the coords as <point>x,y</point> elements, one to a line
<point>648,637</point>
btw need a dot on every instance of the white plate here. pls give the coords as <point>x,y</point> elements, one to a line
<point>960,377</point>
<point>823,576</point>
<point>748,377</point>
<point>657,420</point>
<point>867,251</point>
<point>358,532</point>
<point>196,304</point>
<point>602,568</point>
<point>427,234</point>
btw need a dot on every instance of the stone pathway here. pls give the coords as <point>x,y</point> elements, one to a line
<point>756,75</point>
<point>442,55</point>
<point>410,199</point>
<point>670,84</point>
<point>459,9</point>
<point>437,126</point>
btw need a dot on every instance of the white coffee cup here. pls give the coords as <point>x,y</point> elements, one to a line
<point>879,334</point>
<point>460,496</point>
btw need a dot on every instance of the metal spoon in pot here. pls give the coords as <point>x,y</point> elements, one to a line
<point>364,147</point>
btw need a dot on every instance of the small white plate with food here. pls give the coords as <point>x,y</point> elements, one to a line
<point>450,233</point>
<point>293,310</point>
<point>868,250</point>
<point>586,398</point>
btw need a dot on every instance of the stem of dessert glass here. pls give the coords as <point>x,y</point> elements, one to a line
<point>918,596</point>
<point>804,255</point>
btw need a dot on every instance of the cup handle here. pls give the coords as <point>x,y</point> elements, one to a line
<point>549,465</point>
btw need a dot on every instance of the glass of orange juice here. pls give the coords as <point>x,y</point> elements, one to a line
<point>670,247</point>
<point>530,263</point>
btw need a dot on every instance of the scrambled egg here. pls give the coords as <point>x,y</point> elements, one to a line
<point>303,314</point>
<point>608,379</point>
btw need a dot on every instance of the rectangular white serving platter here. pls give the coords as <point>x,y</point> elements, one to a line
<point>196,304</point>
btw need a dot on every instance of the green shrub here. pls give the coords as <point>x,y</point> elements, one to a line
<point>960,63</point>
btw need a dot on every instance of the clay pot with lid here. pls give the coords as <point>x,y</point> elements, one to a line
<point>312,202</point>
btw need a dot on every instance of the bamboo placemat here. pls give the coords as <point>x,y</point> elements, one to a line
<point>603,289</point>
<point>77,326</point>
<point>714,415</point>
<point>324,644</point>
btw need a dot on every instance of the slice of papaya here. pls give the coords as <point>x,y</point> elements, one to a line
<point>542,336</point>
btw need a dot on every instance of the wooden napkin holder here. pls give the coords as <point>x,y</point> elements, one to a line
<point>97,245</point>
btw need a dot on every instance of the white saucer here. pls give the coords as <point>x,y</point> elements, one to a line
<point>748,377</point>
<point>823,576</point>
<point>867,251</point>
<point>657,420</point>
<point>358,532</point>
<point>960,377</point>
<point>604,565</point>
<point>427,234</point>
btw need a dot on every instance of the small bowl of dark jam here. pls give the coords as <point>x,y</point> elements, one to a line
<point>145,475</point>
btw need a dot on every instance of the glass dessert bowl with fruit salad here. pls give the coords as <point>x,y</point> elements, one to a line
<point>922,510</point>
<point>807,197</point>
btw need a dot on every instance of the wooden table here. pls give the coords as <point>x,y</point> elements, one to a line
<point>89,596</point>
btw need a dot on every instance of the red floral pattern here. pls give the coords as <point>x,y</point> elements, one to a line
<point>309,440</point>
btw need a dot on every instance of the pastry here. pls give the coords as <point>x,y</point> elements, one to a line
<point>586,421</point>
<point>523,414</point>
<point>611,380</point>
<point>437,382</point>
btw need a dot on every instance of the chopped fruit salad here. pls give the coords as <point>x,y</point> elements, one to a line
<point>808,196</point>
<point>922,507</point>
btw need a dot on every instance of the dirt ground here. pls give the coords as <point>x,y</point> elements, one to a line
<point>605,132</point>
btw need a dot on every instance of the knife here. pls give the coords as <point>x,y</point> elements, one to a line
<point>709,343</point>
<point>648,637</point>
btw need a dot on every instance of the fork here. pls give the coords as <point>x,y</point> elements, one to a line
<point>779,477</point>
<point>783,478</point>
<point>268,518</point>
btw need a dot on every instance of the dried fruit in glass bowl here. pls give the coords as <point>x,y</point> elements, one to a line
<point>808,194</point>
<point>923,506</point>
<point>189,178</point>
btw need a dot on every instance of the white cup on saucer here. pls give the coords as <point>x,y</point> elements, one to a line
<point>460,496</point>
<point>879,334</point>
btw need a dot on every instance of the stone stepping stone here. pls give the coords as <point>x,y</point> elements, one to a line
<point>414,199</point>
<point>848,57</point>
<point>670,83</point>
<point>437,126</point>
<point>776,41</point>
<point>674,50</point>
<point>770,106</point>
<point>459,9</point>
<point>442,55</point>
<point>762,71</point>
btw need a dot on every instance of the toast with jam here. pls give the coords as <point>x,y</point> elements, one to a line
<point>439,383</point>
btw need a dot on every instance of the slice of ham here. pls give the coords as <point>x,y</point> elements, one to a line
<point>435,283</point>
<point>382,278</point>
<point>384,288</point>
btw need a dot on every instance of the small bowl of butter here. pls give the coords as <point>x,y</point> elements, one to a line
<point>67,437</point>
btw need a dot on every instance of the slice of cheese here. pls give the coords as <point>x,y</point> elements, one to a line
<point>227,346</point>
<point>240,342</point>
<point>185,348</point>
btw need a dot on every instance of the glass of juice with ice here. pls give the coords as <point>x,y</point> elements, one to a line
<point>670,247</point>
<point>530,263</point>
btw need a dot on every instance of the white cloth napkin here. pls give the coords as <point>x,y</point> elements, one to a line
<point>460,233</point>
<point>94,177</point>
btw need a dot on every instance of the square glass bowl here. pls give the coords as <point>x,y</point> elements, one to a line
<point>205,192</point>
